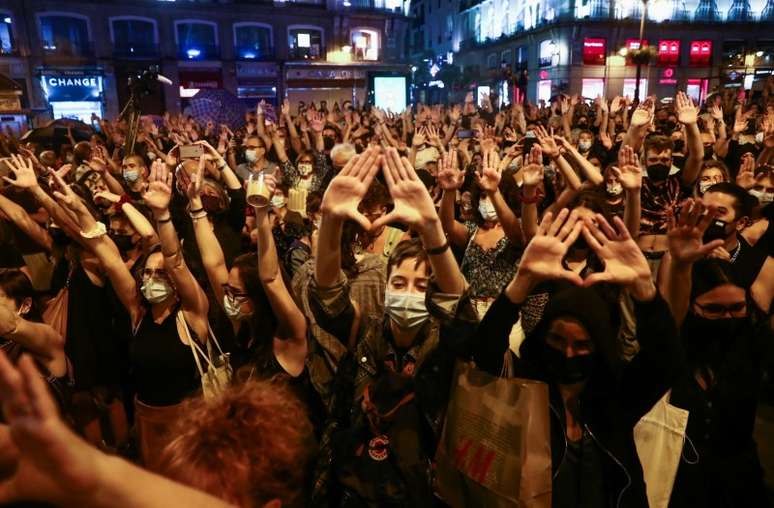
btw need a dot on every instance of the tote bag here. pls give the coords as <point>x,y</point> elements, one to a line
<point>217,376</point>
<point>495,448</point>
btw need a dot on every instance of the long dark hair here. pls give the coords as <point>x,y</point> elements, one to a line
<point>17,286</point>
<point>263,323</point>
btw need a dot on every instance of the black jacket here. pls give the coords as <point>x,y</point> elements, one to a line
<point>617,395</point>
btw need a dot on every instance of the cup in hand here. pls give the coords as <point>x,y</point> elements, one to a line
<point>257,191</point>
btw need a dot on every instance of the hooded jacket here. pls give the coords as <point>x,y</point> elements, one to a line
<point>616,395</point>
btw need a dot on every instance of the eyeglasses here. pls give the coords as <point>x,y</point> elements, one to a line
<point>235,293</point>
<point>716,310</point>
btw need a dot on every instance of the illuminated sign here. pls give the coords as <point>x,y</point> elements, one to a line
<point>668,77</point>
<point>669,52</point>
<point>594,51</point>
<point>72,87</point>
<point>700,53</point>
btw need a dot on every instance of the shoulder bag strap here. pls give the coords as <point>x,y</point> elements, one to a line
<point>195,349</point>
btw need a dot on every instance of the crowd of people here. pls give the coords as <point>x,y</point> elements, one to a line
<point>172,337</point>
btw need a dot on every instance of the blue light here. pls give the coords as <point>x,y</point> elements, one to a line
<point>193,53</point>
<point>7,20</point>
<point>249,55</point>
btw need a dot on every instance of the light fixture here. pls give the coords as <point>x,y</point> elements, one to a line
<point>7,20</point>
<point>249,55</point>
<point>759,54</point>
<point>193,53</point>
<point>361,42</point>
<point>346,3</point>
<point>346,49</point>
<point>623,51</point>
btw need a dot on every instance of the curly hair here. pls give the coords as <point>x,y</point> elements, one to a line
<point>250,445</point>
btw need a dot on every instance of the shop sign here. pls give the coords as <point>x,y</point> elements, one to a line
<point>256,70</point>
<point>200,78</point>
<point>72,87</point>
<point>325,74</point>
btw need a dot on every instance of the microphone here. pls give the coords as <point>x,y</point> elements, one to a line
<point>163,79</point>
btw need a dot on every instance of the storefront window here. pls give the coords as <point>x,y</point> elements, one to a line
<point>548,51</point>
<point>733,53</point>
<point>134,37</point>
<point>593,87</point>
<point>522,57</point>
<point>668,52</point>
<point>73,95</point>
<point>630,86</point>
<point>306,43</point>
<point>696,89</point>
<point>253,41</point>
<point>365,44</point>
<point>65,34</point>
<point>764,54</point>
<point>593,51</point>
<point>196,40</point>
<point>6,35</point>
<point>700,53</point>
<point>544,90</point>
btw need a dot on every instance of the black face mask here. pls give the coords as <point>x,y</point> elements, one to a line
<point>123,242</point>
<point>670,125</point>
<point>567,371</point>
<point>708,151</point>
<point>658,172</point>
<point>718,230</point>
<point>679,146</point>
<point>328,142</point>
<point>707,340</point>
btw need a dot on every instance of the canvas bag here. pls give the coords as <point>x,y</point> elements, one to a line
<point>55,313</point>
<point>218,375</point>
<point>495,448</point>
<point>659,437</point>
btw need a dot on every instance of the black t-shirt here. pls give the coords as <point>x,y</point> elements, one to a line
<point>747,262</point>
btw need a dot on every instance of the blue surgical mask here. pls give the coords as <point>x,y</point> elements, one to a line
<point>487,210</point>
<point>584,146</point>
<point>131,175</point>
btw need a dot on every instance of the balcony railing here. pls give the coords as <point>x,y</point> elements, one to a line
<point>195,52</point>
<point>64,48</point>
<point>251,54</point>
<point>136,51</point>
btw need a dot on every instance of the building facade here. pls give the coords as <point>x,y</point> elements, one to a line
<point>75,58</point>
<point>586,46</point>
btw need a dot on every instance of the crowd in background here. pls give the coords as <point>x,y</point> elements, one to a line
<point>615,251</point>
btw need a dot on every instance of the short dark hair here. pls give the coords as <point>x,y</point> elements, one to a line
<point>407,249</point>
<point>658,144</point>
<point>743,202</point>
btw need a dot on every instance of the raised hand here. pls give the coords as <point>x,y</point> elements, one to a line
<point>542,259</point>
<point>347,189</point>
<point>65,194</point>
<point>24,174</point>
<point>194,188</point>
<point>604,138</point>
<point>317,123</point>
<point>629,171</point>
<point>490,176</point>
<point>716,112</point>
<point>547,142</point>
<point>746,176</point>
<point>643,114</point>
<point>617,104</point>
<point>687,113</point>
<point>449,175</point>
<point>532,173</point>
<point>413,204</point>
<point>685,237</point>
<point>159,192</point>
<point>624,262</point>
<point>419,137</point>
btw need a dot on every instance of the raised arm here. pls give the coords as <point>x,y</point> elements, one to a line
<point>414,207</point>
<point>688,114</point>
<point>639,124</point>
<point>489,182</point>
<point>532,176</point>
<point>587,168</point>
<point>40,339</point>
<point>450,179</point>
<point>24,222</point>
<point>629,173</point>
<point>260,125</point>
<point>295,140</point>
<point>549,146</point>
<point>192,297</point>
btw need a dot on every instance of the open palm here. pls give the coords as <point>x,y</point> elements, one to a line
<point>686,244</point>
<point>159,192</point>
<point>345,192</point>
<point>23,171</point>
<point>450,177</point>
<point>687,113</point>
<point>413,204</point>
<point>490,175</point>
<point>624,262</point>
<point>542,259</point>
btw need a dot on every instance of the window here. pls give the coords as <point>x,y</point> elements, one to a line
<point>6,35</point>
<point>593,87</point>
<point>365,44</point>
<point>548,51</point>
<point>65,34</point>
<point>196,40</point>
<point>544,90</point>
<point>697,89</point>
<point>668,52</point>
<point>491,61</point>
<point>733,53</point>
<point>134,36</point>
<point>700,53</point>
<point>253,41</point>
<point>305,42</point>
<point>522,58</point>
<point>630,86</point>
<point>764,54</point>
<point>593,52</point>
<point>506,59</point>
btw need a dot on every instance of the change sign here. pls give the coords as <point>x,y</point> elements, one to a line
<point>76,88</point>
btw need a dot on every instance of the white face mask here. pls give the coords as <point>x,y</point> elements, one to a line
<point>131,175</point>
<point>584,146</point>
<point>251,155</point>
<point>305,168</point>
<point>759,137</point>
<point>407,310</point>
<point>156,290</point>
<point>487,210</point>
<point>233,309</point>
<point>764,198</point>
<point>703,186</point>
<point>278,201</point>
<point>614,189</point>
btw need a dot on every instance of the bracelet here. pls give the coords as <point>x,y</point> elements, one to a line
<point>166,219</point>
<point>200,215</point>
<point>190,212</point>
<point>98,230</point>
<point>438,250</point>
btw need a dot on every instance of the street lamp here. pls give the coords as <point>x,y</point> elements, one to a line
<point>639,62</point>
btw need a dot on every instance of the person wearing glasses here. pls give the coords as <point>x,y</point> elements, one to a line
<point>725,338</point>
